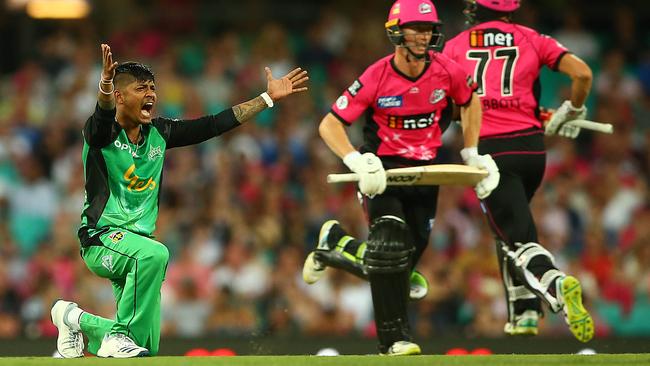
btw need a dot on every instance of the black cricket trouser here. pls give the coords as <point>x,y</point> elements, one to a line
<point>390,290</point>
<point>416,205</point>
<point>521,158</point>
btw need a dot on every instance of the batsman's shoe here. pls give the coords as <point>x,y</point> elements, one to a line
<point>569,294</point>
<point>120,346</point>
<point>70,343</point>
<point>525,324</point>
<point>313,270</point>
<point>403,348</point>
<point>419,286</point>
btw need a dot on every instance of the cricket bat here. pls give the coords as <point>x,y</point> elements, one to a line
<point>594,126</point>
<point>426,175</point>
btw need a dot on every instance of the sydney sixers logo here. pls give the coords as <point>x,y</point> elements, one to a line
<point>437,95</point>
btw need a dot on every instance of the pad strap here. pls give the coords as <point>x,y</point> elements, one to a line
<point>389,246</point>
<point>522,257</point>
<point>519,293</point>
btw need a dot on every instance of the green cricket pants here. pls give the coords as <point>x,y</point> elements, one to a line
<point>136,266</point>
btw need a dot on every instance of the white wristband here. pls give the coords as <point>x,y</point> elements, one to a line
<point>105,83</point>
<point>350,158</point>
<point>574,108</point>
<point>468,152</point>
<point>267,99</point>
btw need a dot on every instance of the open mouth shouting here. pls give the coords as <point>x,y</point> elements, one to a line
<point>146,110</point>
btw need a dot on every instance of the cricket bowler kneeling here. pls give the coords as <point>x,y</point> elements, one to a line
<point>123,156</point>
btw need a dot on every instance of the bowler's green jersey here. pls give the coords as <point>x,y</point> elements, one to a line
<point>123,179</point>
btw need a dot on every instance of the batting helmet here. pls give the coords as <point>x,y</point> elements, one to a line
<point>505,6</point>
<point>410,12</point>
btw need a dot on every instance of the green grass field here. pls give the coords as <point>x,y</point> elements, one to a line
<point>495,360</point>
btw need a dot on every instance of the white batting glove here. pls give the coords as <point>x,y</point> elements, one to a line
<point>558,122</point>
<point>372,176</point>
<point>488,184</point>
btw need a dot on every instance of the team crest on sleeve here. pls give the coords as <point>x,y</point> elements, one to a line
<point>437,95</point>
<point>342,102</point>
<point>116,237</point>
<point>355,87</point>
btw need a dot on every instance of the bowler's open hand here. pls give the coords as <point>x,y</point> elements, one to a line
<point>286,85</point>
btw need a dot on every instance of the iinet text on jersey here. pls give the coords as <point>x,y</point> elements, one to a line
<point>490,38</point>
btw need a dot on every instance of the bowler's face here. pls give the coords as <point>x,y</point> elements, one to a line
<point>139,100</point>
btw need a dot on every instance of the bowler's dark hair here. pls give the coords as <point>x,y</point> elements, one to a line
<point>133,71</point>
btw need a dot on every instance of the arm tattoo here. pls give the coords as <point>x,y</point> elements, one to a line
<point>245,111</point>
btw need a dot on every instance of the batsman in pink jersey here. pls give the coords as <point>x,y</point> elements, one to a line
<point>505,60</point>
<point>407,99</point>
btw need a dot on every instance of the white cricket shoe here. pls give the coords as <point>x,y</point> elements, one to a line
<point>313,270</point>
<point>403,348</point>
<point>70,343</point>
<point>524,324</point>
<point>120,346</point>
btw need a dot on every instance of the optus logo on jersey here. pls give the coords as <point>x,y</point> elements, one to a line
<point>136,183</point>
<point>122,146</point>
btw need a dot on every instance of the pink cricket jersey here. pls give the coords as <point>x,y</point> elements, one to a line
<point>405,116</point>
<point>505,60</point>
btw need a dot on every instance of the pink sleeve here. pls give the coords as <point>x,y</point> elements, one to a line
<point>550,51</point>
<point>356,99</point>
<point>461,84</point>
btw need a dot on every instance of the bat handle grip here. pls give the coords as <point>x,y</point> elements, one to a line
<point>342,178</point>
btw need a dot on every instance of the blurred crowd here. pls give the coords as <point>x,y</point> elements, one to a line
<point>239,213</point>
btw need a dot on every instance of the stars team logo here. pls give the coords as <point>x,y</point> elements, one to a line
<point>155,153</point>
